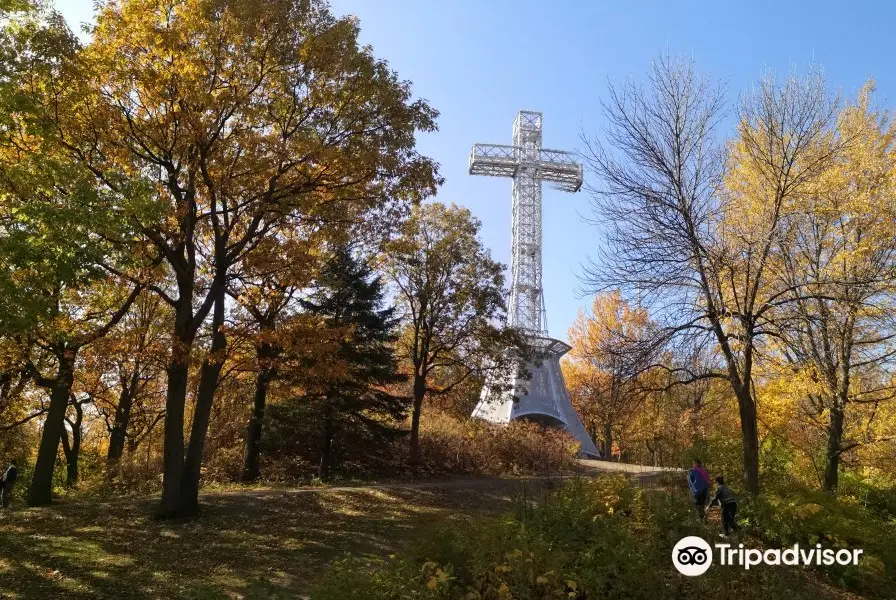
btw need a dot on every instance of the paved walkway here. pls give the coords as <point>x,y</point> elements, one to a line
<point>607,466</point>
<point>589,468</point>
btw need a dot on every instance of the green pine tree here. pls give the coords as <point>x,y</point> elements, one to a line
<point>348,293</point>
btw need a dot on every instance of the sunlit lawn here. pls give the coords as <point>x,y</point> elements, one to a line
<point>243,545</point>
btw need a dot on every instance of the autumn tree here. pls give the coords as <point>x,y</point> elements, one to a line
<point>57,297</point>
<point>122,375</point>
<point>838,261</point>
<point>71,447</point>
<point>267,288</point>
<point>347,294</point>
<point>693,237</point>
<point>235,115</point>
<point>451,295</point>
<point>603,367</point>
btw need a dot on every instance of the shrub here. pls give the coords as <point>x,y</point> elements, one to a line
<point>875,492</point>
<point>557,550</point>
<point>449,446</point>
<point>600,538</point>
<point>783,516</point>
<point>454,446</point>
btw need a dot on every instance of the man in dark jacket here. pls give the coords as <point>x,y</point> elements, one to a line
<point>728,503</point>
<point>698,481</point>
<point>7,482</point>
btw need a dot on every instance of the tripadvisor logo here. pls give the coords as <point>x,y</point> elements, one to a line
<point>692,556</point>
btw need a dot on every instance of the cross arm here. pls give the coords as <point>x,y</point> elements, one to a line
<point>560,167</point>
<point>554,166</point>
<point>494,159</point>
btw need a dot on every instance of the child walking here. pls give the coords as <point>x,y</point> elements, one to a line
<point>727,502</point>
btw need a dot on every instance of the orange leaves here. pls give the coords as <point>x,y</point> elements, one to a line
<point>605,363</point>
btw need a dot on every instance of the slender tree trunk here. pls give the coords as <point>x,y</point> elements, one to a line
<point>326,449</point>
<point>202,410</point>
<point>251,467</point>
<point>651,452</point>
<point>72,450</point>
<point>175,404</point>
<point>750,435</point>
<point>118,436</point>
<point>835,441</point>
<point>608,441</point>
<point>419,393</point>
<point>41,491</point>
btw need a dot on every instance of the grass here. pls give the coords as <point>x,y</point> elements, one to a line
<point>595,538</point>
<point>275,543</point>
<point>252,544</point>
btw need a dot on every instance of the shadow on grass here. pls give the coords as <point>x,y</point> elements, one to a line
<point>263,545</point>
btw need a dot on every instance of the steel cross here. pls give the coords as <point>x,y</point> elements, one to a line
<point>528,164</point>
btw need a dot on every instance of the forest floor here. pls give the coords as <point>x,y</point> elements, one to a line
<point>244,544</point>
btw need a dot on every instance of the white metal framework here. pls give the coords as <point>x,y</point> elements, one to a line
<point>541,396</point>
<point>528,164</point>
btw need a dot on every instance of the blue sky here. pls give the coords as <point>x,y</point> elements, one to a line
<point>480,61</point>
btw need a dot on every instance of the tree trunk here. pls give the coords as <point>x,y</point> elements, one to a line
<point>118,435</point>
<point>835,441</point>
<point>251,467</point>
<point>202,409</point>
<point>41,491</point>
<point>326,449</point>
<point>651,452</point>
<point>750,435</point>
<point>608,441</point>
<point>592,432</point>
<point>419,393</point>
<point>72,450</point>
<point>175,403</point>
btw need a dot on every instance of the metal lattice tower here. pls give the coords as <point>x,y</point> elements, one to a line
<point>528,164</point>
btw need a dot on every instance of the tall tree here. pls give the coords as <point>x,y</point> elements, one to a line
<point>347,295</point>
<point>693,240</point>
<point>72,448</point>
<point>122,375</point>
<point>56,298</point>
<point>605,363</point>
<point>238,114</point>
<point>451,294</point>
<point>266,288</point>
<point>838,262</point>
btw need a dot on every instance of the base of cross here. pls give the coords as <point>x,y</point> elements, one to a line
<point>541,398</point>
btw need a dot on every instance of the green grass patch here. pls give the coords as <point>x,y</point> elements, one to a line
<point>796,514</point>
<point>248,544</point>
<point>600,538</point>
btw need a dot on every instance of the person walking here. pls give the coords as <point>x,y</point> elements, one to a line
<point>7,482</point>
<point>727,502</point>
<point>698,481</point>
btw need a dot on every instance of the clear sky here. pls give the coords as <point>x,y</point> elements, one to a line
<point>480,61</point>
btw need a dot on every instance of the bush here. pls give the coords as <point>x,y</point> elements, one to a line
<point>449,446</point>
<point>600,538</point>
<point>783,516</point>
<point>467,446</point>
<point>556,548</point>
<point>876,493</point>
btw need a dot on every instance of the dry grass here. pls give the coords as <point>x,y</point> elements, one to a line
<point>451,445</point>
<point>263,544</point>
